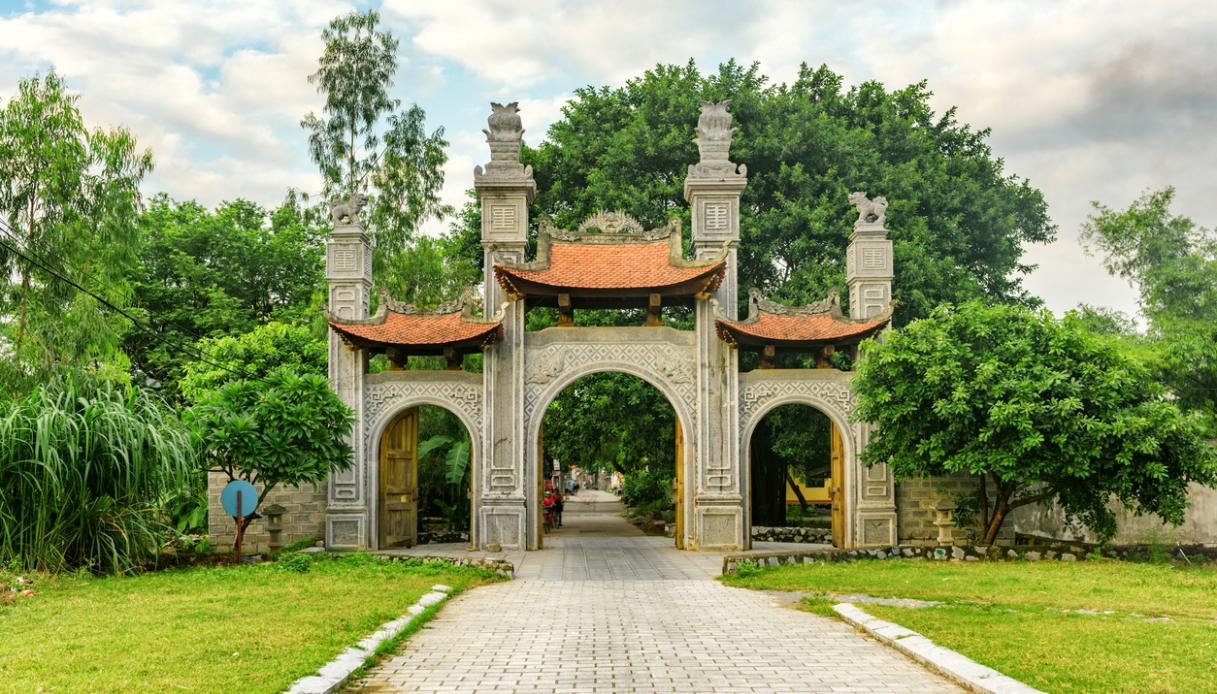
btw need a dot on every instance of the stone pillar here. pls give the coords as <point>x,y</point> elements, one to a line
<point>712,190</point>
<point>505,188</point>
<point>868,273</point>
<point>868,260</point>
<point>348,272</point>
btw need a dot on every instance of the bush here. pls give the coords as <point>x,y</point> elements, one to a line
<point>648,491</point>
<point>84,468</point>
<point>294,562</point>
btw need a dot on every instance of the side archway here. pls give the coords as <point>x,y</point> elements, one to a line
<point>387,400</point>
<point>846,447</point>
<point>828,392</point>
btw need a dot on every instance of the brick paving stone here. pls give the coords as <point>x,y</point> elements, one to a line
<point>600,613</point>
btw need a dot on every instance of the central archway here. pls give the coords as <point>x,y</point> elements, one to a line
<point>683,446</point>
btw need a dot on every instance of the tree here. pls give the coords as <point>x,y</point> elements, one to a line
<point>214,273</point>
<point>1038,409</point>
<point>593,423</point>
<point>290,429</point>
<point>443,467</point>
<point>959,222</point>
<point>256,354</point>
<point>69,198</point>
<point>355,152</point>
<point>1173,263</point>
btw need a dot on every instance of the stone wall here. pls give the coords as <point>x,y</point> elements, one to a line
<point>305,516</point>
<point>792,534</point>
<point>915,500</point>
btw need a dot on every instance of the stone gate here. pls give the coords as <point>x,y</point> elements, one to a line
<point>609,261</point>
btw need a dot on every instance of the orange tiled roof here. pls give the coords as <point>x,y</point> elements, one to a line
<point>609,261</point>
<point>400,325</point>
<point>821,323</point>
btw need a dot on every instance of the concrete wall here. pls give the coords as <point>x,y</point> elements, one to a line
<point>1199,524</point>
<point>305,516</point>
<point>915,499</point>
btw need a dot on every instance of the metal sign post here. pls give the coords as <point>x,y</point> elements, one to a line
<point>239,499</point>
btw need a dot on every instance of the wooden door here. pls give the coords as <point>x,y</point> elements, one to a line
<point>399,481</point>
<point>541,485</point>
<point>680,486</point>
<point>837,485</point>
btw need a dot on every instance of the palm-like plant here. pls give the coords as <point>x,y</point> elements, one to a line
<point>84,467</point>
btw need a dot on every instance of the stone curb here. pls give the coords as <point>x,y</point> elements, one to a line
<point>334,674</point>
<point>955,666</point>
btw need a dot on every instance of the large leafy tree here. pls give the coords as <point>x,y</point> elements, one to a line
<point>1173,263</point>
<point>363,141</point>
<point>69,199</point>
<point>213,273</point>
<point>593,423</point>
<point>959,221</point>
<point>1037,409</point>
<point>255,354</point>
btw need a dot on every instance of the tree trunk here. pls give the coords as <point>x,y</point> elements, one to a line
<point>25,278</point>
<point>1000,508</point>
<point>797,492</point>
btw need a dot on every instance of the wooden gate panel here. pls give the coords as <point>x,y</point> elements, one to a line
<point>399,481</point>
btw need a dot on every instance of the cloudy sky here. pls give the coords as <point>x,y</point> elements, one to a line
<point>1090,101</point>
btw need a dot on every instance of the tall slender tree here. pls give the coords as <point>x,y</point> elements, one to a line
<point>365,142</point>
<point>69,201</point>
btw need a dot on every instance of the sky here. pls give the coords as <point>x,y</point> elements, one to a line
<point>1087,100</point>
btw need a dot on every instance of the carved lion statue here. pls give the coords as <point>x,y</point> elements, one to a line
<point>347,211</point>
<point>870,211</point>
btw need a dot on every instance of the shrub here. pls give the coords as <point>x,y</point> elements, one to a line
<point>294,562</point>
<point>648,491</point>
<point>84,467</point>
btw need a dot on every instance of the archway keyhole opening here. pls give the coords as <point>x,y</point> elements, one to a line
<point>610,444</point>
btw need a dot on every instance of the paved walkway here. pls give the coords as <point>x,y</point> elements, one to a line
<point>629,613</point>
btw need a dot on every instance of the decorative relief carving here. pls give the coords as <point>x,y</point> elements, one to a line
<point>462,397</point>
<point>718,215</point>
<point>344,259</point>
<point>755,396</point>
<point>669,365</point>
<point>503,217</point>
<point>547,368</point>
<point>611,223</point>
<point>873,259</point>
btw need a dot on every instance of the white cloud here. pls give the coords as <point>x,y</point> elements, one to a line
<point>1090,100</point>
<point>209,86</point>
<point>522,44</point>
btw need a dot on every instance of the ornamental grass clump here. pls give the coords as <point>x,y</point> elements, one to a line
<point>83,467</point>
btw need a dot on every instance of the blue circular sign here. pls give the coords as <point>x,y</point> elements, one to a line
<point>249,498</point>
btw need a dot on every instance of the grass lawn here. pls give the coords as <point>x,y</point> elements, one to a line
<point>250,629</point>
<point>1017,617</point>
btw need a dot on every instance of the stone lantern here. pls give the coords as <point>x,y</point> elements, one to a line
<point>274,525</point>
<point>944,520</point>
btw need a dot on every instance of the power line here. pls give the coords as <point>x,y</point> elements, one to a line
<point>16,248</point>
